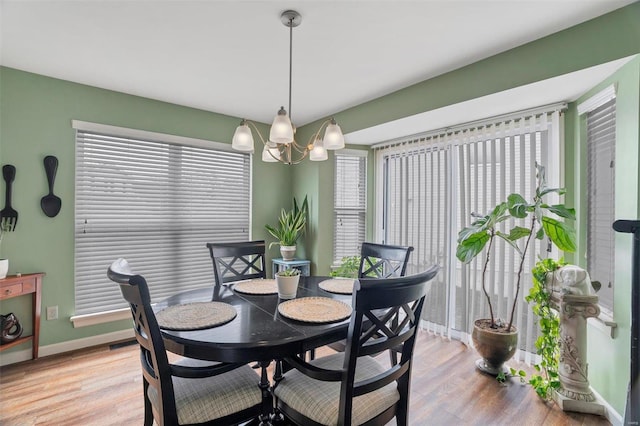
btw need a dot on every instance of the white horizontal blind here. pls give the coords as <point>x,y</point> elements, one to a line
<point>156,204</point>
<point>432,183</point>
<point>601,141</point>
<point>350,204</point>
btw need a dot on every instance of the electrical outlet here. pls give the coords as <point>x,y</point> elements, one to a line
<point>52,313</point>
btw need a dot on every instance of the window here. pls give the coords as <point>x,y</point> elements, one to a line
<point>155,200</point>
<point>429,186</point>
<point>600,113</point>
<point>350,203</point>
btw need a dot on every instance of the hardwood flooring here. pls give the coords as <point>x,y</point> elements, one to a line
<point>102,386</point>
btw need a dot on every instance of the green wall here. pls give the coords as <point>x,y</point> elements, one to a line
<point>609,356</point>
<point>35,120</point>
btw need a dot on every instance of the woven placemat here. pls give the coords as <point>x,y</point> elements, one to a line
<point>195,316</point>
<point>256,286</point>
<point>339,285</point>
<point>314,309</point>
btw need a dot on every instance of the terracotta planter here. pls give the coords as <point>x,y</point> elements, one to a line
<point>495,347</point>
<point>288,252</point>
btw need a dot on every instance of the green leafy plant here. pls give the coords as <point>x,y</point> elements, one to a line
<point>349,267</point>
<point>548,343</point>
<point>289,272</point>
<point>481,233</point>
<point>291,225</point>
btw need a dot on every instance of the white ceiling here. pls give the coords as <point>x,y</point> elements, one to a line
<point>231,57</point>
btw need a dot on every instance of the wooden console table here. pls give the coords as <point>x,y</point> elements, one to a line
<point>13,286</point>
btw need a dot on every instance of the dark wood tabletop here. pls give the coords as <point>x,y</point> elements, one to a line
<point>258,332</point>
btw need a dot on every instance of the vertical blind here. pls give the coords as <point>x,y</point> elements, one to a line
<point>156,204</point>
<point>601,139</point>
<point>350,204</point>
<point>430,186</point>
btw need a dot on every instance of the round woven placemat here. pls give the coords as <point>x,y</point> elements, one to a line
<point>339,285</point>
<point>268,286</point>
<point>314,309</point>
<point>195,316</point>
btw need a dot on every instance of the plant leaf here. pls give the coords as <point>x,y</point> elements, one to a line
<point>562,211</point>
<point>471,246</point>
<point>562,235</point>
<point>517,206</point>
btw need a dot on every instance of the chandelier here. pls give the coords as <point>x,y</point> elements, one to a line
<point>281,145</point>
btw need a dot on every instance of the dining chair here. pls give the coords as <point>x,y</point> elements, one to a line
<point>189,391</point>
<point>354,387</point>
<point>238,261</point>
<point>379,261</point>
<point>383,260</point>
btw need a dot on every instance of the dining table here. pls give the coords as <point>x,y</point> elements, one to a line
<point>259,332</point>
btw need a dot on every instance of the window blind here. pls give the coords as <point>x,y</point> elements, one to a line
<point>156,204</point>
<point>601,139</point>
<point>430,186</point>
<point>350,204</point>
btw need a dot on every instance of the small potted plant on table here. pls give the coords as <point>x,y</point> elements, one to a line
<point>287,281</point>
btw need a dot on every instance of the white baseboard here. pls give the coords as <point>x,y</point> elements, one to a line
<point>609,412</point>
<point>71,345</point>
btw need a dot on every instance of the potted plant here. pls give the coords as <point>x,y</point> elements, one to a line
<point>349,268</point>
<point>495,339</point>
<point>287,281</point>
<point>4,263</point>
<point>291,226</point>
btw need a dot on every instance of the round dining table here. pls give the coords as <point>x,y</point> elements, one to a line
<point>258,332</point>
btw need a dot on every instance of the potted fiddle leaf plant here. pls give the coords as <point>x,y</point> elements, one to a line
<point>291,225</point>
<point>494,338</point>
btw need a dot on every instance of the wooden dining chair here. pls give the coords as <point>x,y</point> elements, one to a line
<point>379,261</point>
<point>238,261</point>
<point>190,391</point>
<point>353,387</point>
<point>383,260</point>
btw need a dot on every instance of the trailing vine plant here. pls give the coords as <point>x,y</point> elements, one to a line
<point>548,343</point>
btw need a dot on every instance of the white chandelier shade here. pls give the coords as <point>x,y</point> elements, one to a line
<point>318,152</point>
<point>270,155</point>
<point>281,145</point>
<point>242,138</point>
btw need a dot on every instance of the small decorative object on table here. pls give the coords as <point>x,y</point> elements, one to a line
<point>287,281</point>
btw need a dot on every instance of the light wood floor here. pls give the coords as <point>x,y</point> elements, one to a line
<point>101,386</point>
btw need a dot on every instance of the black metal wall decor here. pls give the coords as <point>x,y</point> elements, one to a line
<point>632,413</point>
<point>11,328</point>
<point>8,216</point>
<point>51,203</point>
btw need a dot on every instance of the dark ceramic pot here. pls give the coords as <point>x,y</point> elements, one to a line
<point>495,346</point>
